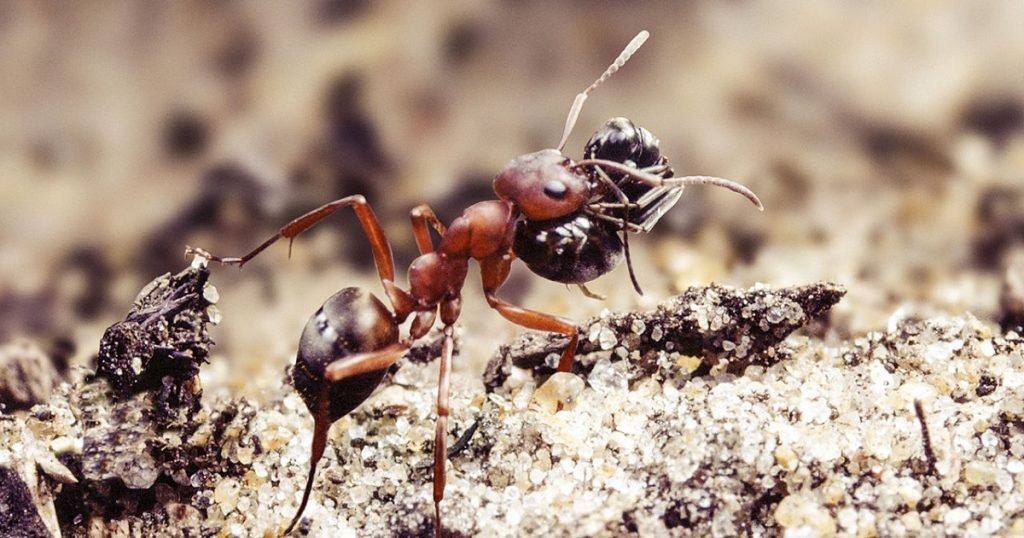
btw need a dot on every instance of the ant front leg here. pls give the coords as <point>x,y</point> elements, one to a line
<point>494,271</point>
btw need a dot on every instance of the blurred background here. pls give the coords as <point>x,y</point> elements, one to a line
<point>886,140</point>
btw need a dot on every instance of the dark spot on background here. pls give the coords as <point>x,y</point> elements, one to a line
<point>45,152</point>
<point>689,216</point>
<point>746,243</point>
<point>91,263</point>
<point>223,187</point>
<point>239,53</point>
<point>998,118</point>
<point>185,134</point>
<point>352,139</point>
<point>462,40</point>
<point>1011,294</point>
<point>60,350</point>
<point>6,10</point>
<point>329,12</point>
<point>892,145</point>
<point>794,182</point>
<point>1000,224</point>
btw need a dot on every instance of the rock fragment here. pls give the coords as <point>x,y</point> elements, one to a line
<point>27,375</point>
<point>162,341</point>
<point>19,517</point>
<point>728,328</point>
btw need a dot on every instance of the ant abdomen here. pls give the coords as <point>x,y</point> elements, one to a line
<point>574,249</point>
<point>350,322</point>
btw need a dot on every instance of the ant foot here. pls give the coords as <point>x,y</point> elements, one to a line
<point>206,255</point>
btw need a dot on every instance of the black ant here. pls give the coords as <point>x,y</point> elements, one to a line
<point>623,184</point>
<point>585,244</point>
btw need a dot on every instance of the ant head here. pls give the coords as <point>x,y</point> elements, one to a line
<point>541,185</point>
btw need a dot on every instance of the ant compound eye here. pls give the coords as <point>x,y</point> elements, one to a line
<point>555,189</point>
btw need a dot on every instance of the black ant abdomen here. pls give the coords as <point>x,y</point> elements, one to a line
<point>350,322</point>
<point>574,249</point>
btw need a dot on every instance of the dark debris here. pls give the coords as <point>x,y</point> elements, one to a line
<point>161,343</point>
<point>19,517</point>
<point>727,327</point>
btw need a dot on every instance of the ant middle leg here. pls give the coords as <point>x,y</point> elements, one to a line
<point>494,272</point>
<point>422,217</point>
<point>362,363</point>
<point>441,428</point>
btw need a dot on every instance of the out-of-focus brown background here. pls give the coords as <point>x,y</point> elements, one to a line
<point>885,139</point>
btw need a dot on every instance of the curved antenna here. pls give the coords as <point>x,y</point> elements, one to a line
<point>577,105</point>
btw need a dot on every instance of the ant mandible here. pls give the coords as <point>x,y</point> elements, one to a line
<point>549,208</point>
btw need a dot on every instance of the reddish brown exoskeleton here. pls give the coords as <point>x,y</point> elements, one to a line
<point>350,342</point>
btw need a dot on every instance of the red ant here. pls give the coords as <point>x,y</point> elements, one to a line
<point>561,216</point>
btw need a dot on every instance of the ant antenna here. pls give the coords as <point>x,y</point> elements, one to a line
<point>678,181</point>
<point>577,105</point>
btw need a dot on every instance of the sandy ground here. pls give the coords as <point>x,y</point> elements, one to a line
<point>885,140</point>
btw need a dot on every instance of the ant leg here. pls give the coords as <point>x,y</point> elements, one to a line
<point>422,216</point>
<point>362,363</point>
<point>321,424</point>
<point>441,430</point>
<point>625,220</point>
<point>371,227</point>
<point>659,181</point>
<point>379,244</point>
<point>494,271</point>
<point>590,294</point>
